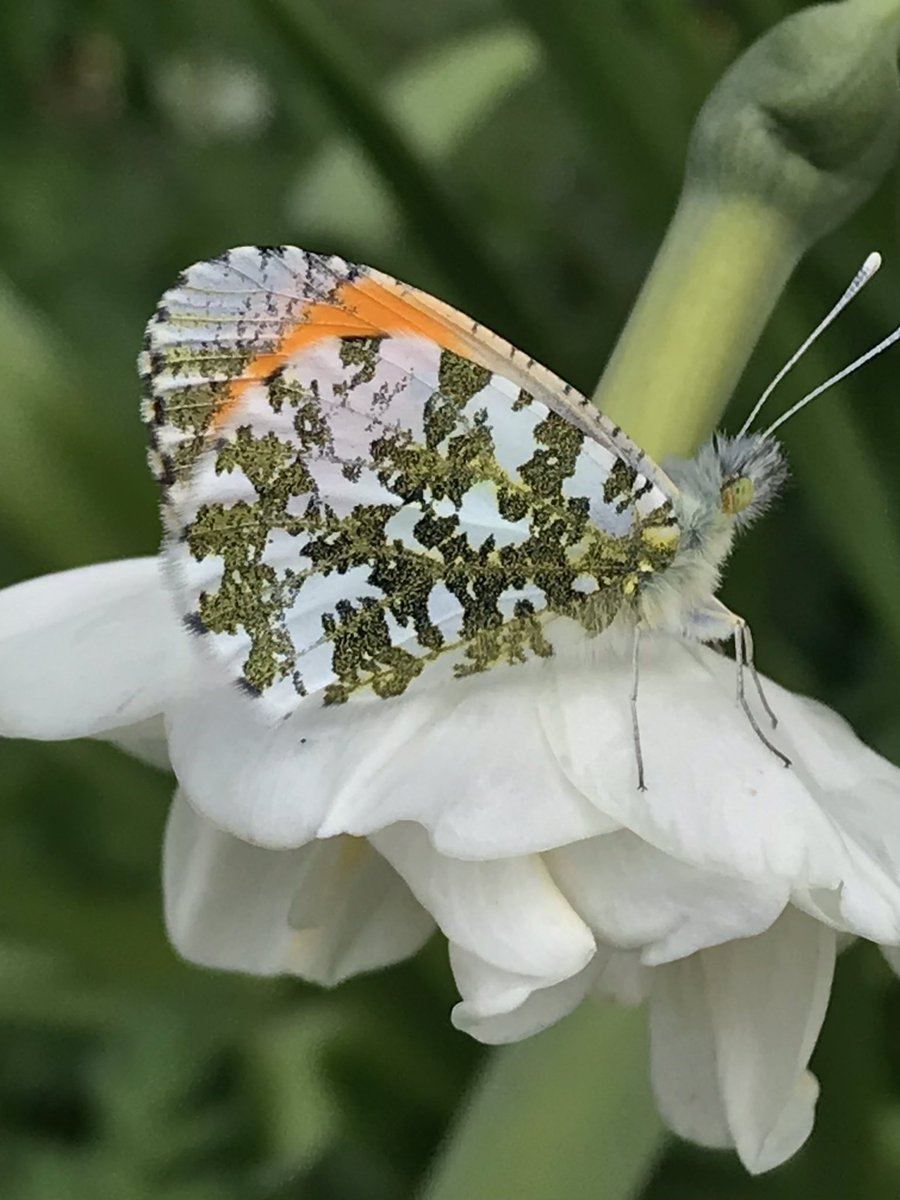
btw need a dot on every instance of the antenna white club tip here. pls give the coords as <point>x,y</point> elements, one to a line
<point>872,263</point>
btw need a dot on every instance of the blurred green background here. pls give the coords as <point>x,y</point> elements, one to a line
<point>520,159</point>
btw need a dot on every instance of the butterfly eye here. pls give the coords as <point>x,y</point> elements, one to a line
<point>736,495</point>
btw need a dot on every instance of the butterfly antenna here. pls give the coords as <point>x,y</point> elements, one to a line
<point>829,383</point>
<point>859,280</point>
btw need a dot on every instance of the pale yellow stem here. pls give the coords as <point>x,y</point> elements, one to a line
<point>719,272</point>
<point>796,135</point>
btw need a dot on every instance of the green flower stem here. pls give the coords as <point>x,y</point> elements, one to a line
<point>567,1114</point>
<point>721,268</point>
<point>796,135</point>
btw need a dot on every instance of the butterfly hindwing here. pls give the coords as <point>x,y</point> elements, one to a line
<point>356,504</point>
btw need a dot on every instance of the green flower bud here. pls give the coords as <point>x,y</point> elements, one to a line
<point>808,119</point>
<point>795,136</point>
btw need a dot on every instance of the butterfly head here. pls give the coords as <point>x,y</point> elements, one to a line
<point>752,471</point>
<point>737,477</point>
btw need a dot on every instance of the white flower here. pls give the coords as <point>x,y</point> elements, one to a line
<point>505,810</point>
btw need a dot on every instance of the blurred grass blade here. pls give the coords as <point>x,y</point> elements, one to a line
<point>301,1123</point>
<point>589,61</point>
<point>47,505</point>
<point>446,234</point>
<point>632,96</point>
<point>566,1115</point>
<point>856,508</point>
<point>832,457</point>
<point>435,104</point>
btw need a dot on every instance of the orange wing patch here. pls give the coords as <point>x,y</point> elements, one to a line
<point>233,321</point>
<point>360,308</point>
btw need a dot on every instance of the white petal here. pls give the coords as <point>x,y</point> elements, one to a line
<point>328,911</point>
<point>829,752</point>
<point>634,896</point>
<point>859,792</point>
<point>821,903</point>
<point>621,976</point>
<point>499,1007</point>
<point>683,1055</point>
<point>487,991</point>
<point>767,998</point>
<point>792,1128</point>
<point>255,780</point>
<point>467,761</point>
<point>732,1030</point>
<point>715,795</point>
<point>867,814</point>
<point>478,775</point>
<point>145,740</point>
<point>89,650</point>
<point>508,912</point>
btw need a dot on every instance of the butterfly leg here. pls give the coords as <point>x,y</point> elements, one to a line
<point>635,725</point>
<point>757,682</point>
<point>740,649</point>
<point>713,623</point>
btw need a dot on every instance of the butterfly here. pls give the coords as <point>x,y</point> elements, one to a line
<point>365,492</point>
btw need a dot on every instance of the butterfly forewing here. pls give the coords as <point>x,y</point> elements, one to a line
<point>358,503</point>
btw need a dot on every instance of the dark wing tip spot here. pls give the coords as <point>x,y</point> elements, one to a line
<point>167,479</point>
<point>194,624</point>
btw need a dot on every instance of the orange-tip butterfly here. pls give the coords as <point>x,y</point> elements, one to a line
<point>366,492</point>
